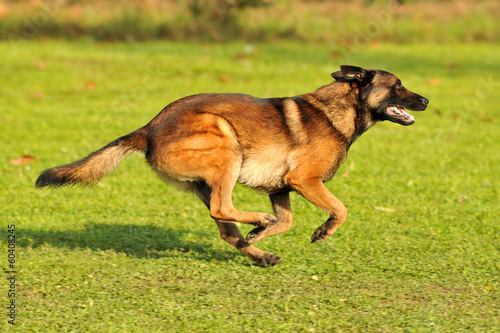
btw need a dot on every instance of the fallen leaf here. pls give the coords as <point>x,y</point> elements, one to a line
<point>385,209</point>
<point>434,81</point>
<point>373,45</point>
<point>38,95</point>
<point>40,65</point>
<point>335,55</point>
<point>90,85</point>
<point>346,174</point>
<point>25,159</point>
<point>225,79</point>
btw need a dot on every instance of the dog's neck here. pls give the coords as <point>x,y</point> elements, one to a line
<point>340,103</point>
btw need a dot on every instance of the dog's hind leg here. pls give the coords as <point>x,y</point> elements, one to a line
<point>221,169</point>
<point>282,209</point>
<point>211,153</point>
<point>230,232</point>
<point>221,204</point>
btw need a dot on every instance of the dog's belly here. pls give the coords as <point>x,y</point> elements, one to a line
<point>264,170</point>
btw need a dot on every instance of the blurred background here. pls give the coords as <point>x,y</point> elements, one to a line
<point>344,22</point>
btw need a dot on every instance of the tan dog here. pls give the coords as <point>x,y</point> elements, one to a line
<point>206,143</point>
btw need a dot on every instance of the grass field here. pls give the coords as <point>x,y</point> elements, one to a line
<point>419,251</point>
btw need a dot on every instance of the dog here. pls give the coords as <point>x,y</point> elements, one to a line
<point>206,143</point>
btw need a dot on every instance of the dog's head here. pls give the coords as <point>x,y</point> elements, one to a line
<point>382,94</point>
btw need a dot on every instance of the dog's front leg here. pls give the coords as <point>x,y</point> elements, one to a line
<point>314,191</point>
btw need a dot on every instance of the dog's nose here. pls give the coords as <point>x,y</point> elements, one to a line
<point>424,101</point>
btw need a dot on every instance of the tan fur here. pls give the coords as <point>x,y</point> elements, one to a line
<point>95,166</point>
<point>264,168</point>
<point>292,115</point>
<point>98,166</point>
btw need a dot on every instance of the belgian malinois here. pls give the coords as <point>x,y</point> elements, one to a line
<point>206,143</point>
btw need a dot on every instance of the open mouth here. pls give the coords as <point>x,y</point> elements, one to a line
<point>398,114</point>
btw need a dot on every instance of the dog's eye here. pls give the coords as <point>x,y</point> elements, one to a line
<point>399,86</point>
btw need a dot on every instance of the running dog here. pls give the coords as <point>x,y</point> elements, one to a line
<point>206,143</point>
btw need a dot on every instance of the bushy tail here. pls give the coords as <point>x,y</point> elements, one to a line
<point>95,166</point>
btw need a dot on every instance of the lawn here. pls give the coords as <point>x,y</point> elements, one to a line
<point>419,250</point>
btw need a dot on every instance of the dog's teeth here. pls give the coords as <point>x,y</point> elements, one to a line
<point>401,113</point>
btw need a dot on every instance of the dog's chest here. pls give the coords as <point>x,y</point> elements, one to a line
<point>264,169</point>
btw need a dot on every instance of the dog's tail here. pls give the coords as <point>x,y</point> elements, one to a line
<point>95,166</point>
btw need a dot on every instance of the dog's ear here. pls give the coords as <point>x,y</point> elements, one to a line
<point>352,73</point>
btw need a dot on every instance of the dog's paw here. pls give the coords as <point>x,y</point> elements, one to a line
<point>267,219</point>
<point>319,235</point>
<point>269,259</point>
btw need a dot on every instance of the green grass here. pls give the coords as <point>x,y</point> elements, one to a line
<point>418,252</point>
